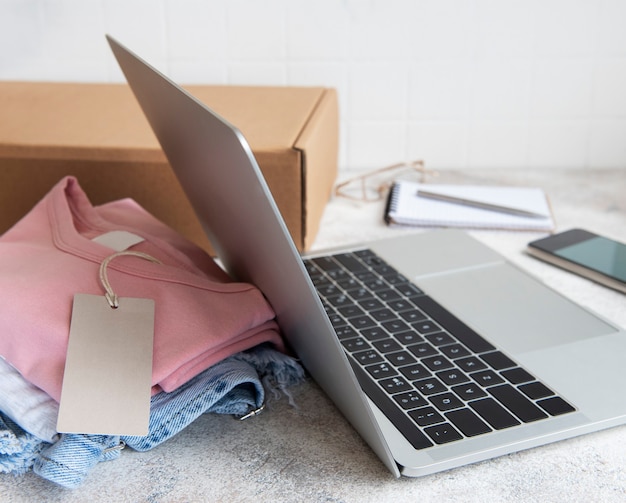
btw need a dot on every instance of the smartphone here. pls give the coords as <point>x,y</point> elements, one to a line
<point>595,257</point>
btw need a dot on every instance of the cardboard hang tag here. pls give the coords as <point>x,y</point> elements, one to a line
<point>108,370</point>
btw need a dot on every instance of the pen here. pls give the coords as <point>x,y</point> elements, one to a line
<point>479,204</point>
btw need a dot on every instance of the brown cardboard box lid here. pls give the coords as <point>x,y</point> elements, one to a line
<point>104,122</point>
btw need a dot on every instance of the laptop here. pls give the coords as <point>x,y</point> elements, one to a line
<point>438,351</point>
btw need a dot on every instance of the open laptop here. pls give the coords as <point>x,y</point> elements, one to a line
<point>436,349</point>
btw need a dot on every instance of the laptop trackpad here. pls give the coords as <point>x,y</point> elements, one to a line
<point>513,310</point>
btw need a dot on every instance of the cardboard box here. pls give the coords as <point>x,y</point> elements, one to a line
<point>98,133</point>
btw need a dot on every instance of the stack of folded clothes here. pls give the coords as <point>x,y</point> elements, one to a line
<point>217,347</point>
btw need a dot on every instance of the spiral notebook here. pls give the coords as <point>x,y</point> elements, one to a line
<point>406,207</point>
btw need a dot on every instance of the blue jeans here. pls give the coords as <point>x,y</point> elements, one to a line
<point>233,386</point>
<point>18,448</point>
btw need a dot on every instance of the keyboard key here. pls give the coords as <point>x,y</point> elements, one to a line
<point>487,378</point>
<point>338,274</point>
<point>386,270</point>
<point>365,275</point>
<point>408,338</point>
<point>395,385</point>
<point>494,413</point>
<point>426,416</point>
<point>328,290</point>
<point>454,351</point>
<point>368,357</point>
<point>469,391</point>
<point>413,315</point>
<point>325,263</point>
<point>374,333</point>
<point>383,315</point>
<point>470,364</point>
<point>395,326</point>
<point>357,344</point>
<point>320,280</point>
<point>517,403</point>
<point>346,332</point>
<point>348,283</point>
<point>361,322</point>
<point>517,376</point>
<point>452,376</point>
<point>410,400</point>
<point>536,390</point>
<point>392,277</point>
<point>437,363</point>
<point>339,300</point>
<point>359,294</point>
<point>409,290</point>
<point>498,360</point>
<point>468,422</point>
<point>443,433</point>
<point>422,349</point>
<point>381,370</point>
<point>401,305</point>
<point>373,260</point>
<point>400,358</point>
<point>327,307</point>
<point>426,327</point>
<point>350,262</point>
<point>350,311</point>
<point>388,295</point>
<point>446,401</point>
<point>374,284</point>
<point>369,257</point>
<point>415,372</point>
<point>310,267</point>
<point>430,386</point>
<point>336,320</point>
<point>387,345</point>
<point>439,338</point>
<point>556,406</point>
<point>371,304</point>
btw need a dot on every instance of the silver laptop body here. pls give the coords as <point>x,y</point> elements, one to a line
<point>568,349</point>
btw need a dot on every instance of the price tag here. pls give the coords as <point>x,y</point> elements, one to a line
<point>108,371</point>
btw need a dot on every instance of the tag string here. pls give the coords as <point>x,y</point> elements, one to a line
<point>110,295</point>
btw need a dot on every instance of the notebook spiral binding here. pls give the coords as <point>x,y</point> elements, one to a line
<point>392,202</point>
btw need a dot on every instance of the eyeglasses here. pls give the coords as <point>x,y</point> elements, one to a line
<point>373,185</point>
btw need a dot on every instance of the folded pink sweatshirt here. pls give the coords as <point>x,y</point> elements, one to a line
<point>201,315</point>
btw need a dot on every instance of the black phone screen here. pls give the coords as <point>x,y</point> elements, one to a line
<point>598,253</point>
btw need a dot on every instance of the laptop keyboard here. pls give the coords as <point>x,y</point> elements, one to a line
<point>436,379</point>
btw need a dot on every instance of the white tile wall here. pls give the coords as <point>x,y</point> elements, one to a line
<point>460,83</point>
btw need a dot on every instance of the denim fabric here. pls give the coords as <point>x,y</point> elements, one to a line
<point>276,370</point>
<point>28,406</point>
<point>230,387</point>
<point>18,448</point>
<point>68,461</point>
<point>233,386</point>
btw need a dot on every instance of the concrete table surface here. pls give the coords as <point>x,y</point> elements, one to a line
<point>310,453</point>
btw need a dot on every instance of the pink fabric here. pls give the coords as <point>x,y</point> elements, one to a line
<point>201,316</point>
